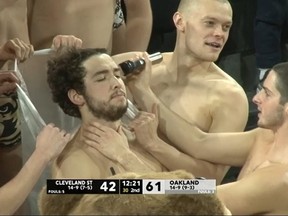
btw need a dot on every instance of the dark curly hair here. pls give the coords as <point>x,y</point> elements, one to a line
<point>66,72</point>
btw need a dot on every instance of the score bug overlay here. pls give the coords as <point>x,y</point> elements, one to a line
<point>82,186</point>
<point>131,186</point>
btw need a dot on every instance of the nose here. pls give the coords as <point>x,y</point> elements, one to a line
<point>219,31</point>
<point>256,99</point>
<point>115,82</point>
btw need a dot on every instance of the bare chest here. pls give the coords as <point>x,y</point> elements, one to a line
<point>264,155</point>
<point>89,20</point>
<point>191,103</point>
<point>110,167</point>
<point>147,158</point>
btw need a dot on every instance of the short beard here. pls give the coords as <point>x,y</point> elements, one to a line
<point>103,110</point>
<point>274,121</point>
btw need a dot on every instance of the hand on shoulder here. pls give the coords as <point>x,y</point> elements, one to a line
<point>51,141</point>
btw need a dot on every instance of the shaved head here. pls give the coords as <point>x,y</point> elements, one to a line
<point>187,6</point>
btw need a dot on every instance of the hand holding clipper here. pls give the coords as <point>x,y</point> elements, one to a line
<point>129,66</point>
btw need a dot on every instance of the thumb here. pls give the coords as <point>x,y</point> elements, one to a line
<point>55,43</point>
<point>154,110</point>
<point>120,131</point>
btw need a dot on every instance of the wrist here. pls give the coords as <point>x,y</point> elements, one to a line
<point>124,157</point>
<point>153,144</point>
<point>41,156</point>
<point>138,86</point>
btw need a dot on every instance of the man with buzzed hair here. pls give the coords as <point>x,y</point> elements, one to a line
<point>190,84</point>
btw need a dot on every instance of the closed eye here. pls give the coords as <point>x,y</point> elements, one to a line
<point>100,77</point>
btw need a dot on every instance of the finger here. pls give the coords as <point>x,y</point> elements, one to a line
<point>26,51</point>
<point>8,77</point>
<point>90,136</point>
<point>56,43</point>
<point>78,43</point>
<point>67,137</point>
<point>92,130</point>
<point>31,50</point>
<point>155,109</point>
<point>119,129</point>
<point>13,47</point>
<point>7,88</point>
<point>92,144</point>
<point>72,41</point>
<point>52,125</point>
<point>14,77</point>
<point>62,132</point>
<point>22,49</point>
<point>99,126</point>
<point>135,124</point>
<point>68,40</point>
<point>63,42</point>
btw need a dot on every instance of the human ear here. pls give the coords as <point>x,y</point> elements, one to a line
<point>179,21</point>
<point>75,97</point>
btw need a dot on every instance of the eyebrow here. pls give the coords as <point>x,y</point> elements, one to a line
<point>266,89</point>
<point>105,71</point>
<point>213,18</point>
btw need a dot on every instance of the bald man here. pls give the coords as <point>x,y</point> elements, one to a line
<point>190,84</point>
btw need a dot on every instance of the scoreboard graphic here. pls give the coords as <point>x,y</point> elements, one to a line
<point>131,186</point>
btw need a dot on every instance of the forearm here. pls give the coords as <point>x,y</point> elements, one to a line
<point>174,159</point>
<point>138,32</point>
<point>14,193</point>
<point>177,130</point>
<point>221,148</point>
<point>138,25</point>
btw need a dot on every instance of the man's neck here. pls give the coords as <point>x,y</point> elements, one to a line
<point>186,66</point>
<point>78,139</point>
<point>281,137</point>
<point>114,125</point>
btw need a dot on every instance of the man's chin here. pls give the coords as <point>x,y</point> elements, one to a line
<point>262,125</point>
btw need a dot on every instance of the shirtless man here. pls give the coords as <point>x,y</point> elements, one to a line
<point>92,21</point>
<point>86,83</point>
<point>262,152</point>
<point>98,23</point>
<point>190,84</point>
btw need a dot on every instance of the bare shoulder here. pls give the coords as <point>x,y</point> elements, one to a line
<point>264,135</point>
<point>225,86</point>
<point>161,67</point>
<point>74,163</point>
<point>160,74</point>
<point>275,179</point>
<point>228,102</point>
<point>255,194</point>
